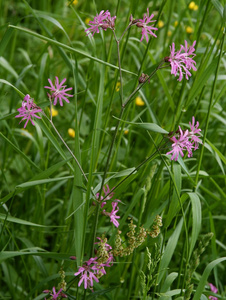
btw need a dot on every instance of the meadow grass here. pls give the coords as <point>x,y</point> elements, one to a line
<point>170,240</point>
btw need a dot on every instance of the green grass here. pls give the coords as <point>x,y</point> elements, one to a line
<point>47,209</point>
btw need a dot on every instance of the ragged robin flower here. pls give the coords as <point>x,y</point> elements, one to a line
<point>58,91</point>
<point>185,141</point>
<point>214,290</point>
<point>146,29</point>
<point>101,21</point>
<point>55,295</point>
<point>28,110</point>
<point>182,61</point>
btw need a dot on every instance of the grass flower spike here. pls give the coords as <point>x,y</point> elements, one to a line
<point>146,29</point>
<point>101,21</point>
<point>28,110</point>
<point>58,91</point>
<point>182,61</point>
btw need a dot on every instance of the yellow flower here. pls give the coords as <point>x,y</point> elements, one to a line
<point>189,29</point>
<point>191,5</point>
<point>126,131</point>
<point>139,101</point>
<point>118,84</point>
<point>160,24</point>
<point>71,132</point>
<point>54,112</point>
<point>87,20</point>
<point>75,2</point>
<point>169,33</point>
<point>175,23</point>
<point>196,7</point>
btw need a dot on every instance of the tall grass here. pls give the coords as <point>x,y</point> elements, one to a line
<point>50,209</point>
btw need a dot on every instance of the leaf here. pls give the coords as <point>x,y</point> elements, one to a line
<point>169,250</point>
<point>218,6</point>
<point>196,219</point>
<point>205,275</point>
<point>19,221</point>
<point>70,49</point>
<point>148,126</point>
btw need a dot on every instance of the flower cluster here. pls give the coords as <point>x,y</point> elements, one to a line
<point>28,110</point>
<point>185,141</point>
<point>58,91</point>
<point>115,208</point>
<point>101,21</point>
<point>146,29</point>
<point>94,267</point>
<point>182,61</point>
<point>55,294</point>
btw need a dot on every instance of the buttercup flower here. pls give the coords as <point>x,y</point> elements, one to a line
<point>185,141</point>
<point>28,110</point>
<point>146,29</point>
<point>182,60</point>
<point>214,290</point>
<point>101,21</point>
<point>58,91</point>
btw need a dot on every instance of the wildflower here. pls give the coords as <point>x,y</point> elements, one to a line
<point>71,132</point>
<point>58,91</point>
<point>88,271</point>
<point>195,130</point>
<point>139,101</point>
<point>126,131</point>
<point>196,7</point>
<point>55,294</point>
<point>175,23</point>
<point>87,20</point>
<point>143,23</point>
<point>189,29</point>
<point>75,2</point>
<point>28,110</point>
<point>54,112</point>
<point>106,192</point>
<point>185,141</point>
<point>214,290</point>
<point>169,33</point>
<point>112,214</point>
<point>117,88</point>
<point>160,23</point>
<point>182,60</point>
<point>101,21</point>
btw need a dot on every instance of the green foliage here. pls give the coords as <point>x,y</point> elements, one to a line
<point>49,209</point>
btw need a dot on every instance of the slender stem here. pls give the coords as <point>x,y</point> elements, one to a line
<point>65,144</point>
<point>120,69</point>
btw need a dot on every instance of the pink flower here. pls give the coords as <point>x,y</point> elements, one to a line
<point>55,294</point>
<point>178,146</point>
<point>195,130</point>
<point>28,110</point>
<point>182,60</point>
<point>102,21</point>
<point>112,214</point>
<point>106,192</point>
<point>58,91</point>
<point>214,290</point>
<point>87,272</point>
<point>143,23</point>
<point>185,141</point>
